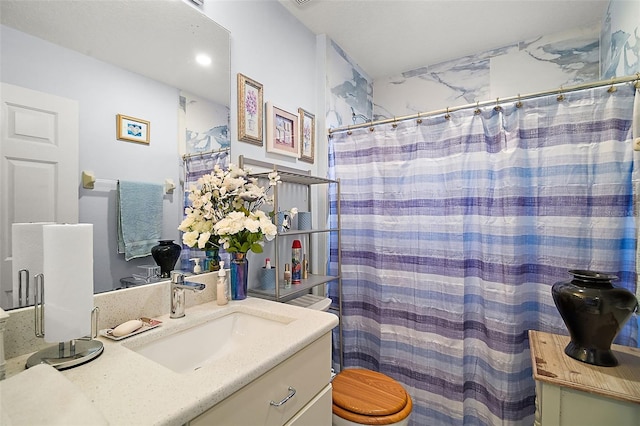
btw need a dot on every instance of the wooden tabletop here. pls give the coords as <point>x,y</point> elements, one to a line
<point>552,365</point>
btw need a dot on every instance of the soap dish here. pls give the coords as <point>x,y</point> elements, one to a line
<point>147,324</point>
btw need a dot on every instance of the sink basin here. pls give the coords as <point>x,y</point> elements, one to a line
<point>190,349</point>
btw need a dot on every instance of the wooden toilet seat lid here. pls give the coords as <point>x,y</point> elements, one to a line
<point>368,393</point>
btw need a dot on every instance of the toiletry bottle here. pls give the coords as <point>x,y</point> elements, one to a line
<point>267,263</point>
<point>296,262</point>
<point>287,276</point>
<point>305,267</point>
<point>197,268</point>
<point>221,289</point>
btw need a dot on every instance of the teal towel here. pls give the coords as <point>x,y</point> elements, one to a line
<point>139,212</point>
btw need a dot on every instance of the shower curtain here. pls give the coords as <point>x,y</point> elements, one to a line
<point>194,168</point>
<point>453,231</point>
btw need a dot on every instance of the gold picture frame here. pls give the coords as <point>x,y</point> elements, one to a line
<point>249,110</point>
<point>307,135</point>
<point>132,129</point>
<point>282,132</point>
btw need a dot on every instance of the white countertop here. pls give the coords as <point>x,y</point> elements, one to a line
<point>129,389</point>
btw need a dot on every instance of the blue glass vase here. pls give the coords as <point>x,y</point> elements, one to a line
<point>239,276</point>
<point>212,260</point>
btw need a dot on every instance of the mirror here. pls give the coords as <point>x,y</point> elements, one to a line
<point>114,57</point>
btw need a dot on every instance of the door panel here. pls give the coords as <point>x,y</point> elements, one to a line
<point>38,169</point>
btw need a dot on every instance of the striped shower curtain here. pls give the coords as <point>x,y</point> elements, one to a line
<point>194,168</point>
<point>454,230</point>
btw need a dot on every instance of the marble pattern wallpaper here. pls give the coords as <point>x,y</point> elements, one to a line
<point>543,63</point>
<point>351,90</point>
<point>620,40</point>
<point>540,64</point>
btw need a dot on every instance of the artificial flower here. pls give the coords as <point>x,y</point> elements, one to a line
<point>225,211</point>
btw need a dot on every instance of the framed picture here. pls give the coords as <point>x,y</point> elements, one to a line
<point>249,110</point>
<point>307,135</point>
<point>282,132</point>
<point>132,129</point>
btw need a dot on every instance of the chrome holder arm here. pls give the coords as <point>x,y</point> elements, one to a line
<point>38,308</point>
<point>95,315</point>
<point>21,273</point>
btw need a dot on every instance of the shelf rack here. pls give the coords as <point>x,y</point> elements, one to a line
<point>299,291</point>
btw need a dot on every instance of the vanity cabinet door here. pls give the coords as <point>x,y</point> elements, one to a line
<point>308,372</point>
<point>561,406</point>
<point>317,413</point>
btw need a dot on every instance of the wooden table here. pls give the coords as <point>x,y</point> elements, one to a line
<point>570,392</point>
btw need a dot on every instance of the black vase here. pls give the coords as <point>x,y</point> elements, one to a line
<point>166,254</point>
<point>594,312</point>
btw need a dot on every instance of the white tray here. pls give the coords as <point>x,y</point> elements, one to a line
<point>147,324</point>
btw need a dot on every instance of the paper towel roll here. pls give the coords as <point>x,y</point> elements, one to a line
<point>68,281</point>
<point>26,253</point>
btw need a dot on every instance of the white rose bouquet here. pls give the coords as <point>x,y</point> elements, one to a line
<point>225,210</point>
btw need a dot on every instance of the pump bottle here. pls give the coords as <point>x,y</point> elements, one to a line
<point>221,288</point>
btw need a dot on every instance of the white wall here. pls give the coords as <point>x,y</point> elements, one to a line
<point>272,47</point>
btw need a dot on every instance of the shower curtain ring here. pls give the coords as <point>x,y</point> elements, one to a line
<point>560,97</point>
<point>447,116</point>
<point>371,128</point>
<point>477,111</point>
<point>419,120</point>
<point>611,88</point>
<point>497,107</point>
<point>519,103</point>
<point>349,132</point>
<point>394,125</point>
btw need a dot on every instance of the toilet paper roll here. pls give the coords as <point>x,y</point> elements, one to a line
<point>26,253</point>
<point>68,281</point>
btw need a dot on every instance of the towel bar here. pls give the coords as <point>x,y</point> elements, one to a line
<point>89,180</point>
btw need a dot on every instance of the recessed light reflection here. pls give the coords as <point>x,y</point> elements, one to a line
<point>203,60</point>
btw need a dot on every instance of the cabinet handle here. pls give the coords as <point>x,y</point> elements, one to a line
<point>292,392</point>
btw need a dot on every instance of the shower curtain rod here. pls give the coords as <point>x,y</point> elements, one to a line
<point>560,92</point>
<point>202,154</point>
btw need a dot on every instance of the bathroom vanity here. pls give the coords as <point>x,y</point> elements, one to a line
<point>570,392</point>
<point>280,376</point>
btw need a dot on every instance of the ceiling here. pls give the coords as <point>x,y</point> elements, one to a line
<point>158,42</point>
<point>388,37</point>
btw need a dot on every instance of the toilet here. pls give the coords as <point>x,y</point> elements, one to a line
<point>360,396</point>
<point>366,397</point>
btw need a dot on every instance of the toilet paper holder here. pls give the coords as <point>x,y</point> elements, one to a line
<point>66,354</point>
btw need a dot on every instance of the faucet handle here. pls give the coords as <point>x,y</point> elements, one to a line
<point>177,277</point>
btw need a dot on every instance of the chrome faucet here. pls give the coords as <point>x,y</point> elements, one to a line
<point>178,286</point>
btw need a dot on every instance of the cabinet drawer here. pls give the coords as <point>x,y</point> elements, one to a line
<point>308,371</point>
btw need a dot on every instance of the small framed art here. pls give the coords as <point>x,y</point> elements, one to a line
<point>282,132</point>
<point>132,129</point>
<point>307,135</point>
<point>249,110</point>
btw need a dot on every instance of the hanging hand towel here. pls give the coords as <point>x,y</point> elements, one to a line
<point>139,211</point>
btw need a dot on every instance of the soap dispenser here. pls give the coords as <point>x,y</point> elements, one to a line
<point>221,289</point>
<point>197,268</point>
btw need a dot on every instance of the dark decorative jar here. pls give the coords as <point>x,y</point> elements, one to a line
<point>166,254</point>
<point>594,312</point>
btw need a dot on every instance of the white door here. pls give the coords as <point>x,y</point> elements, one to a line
<point>38,167</point>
